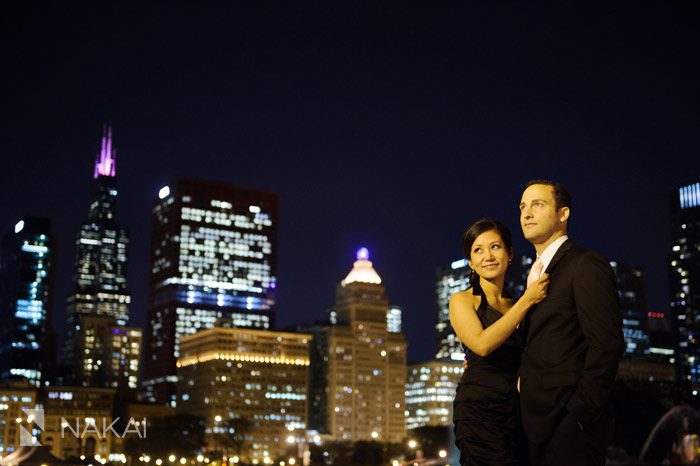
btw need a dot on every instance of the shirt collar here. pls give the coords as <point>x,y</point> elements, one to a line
<point>552,249</point>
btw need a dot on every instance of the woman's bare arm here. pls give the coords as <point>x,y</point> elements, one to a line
<point>467,325</point>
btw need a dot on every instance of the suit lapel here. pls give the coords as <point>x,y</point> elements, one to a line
<point>561,252</point>
<point>559,255</point>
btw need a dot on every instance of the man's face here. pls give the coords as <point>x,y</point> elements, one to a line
<point>539,217</point>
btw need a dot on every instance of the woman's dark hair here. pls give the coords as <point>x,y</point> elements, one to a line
<point>473,232</point>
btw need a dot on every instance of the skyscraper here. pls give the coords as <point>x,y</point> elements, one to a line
<point>630,283</point>
<point>358,365</point>
<point>26,278</point>
<point>430,392</point>
<point>213,256</point>
<point>684,281</point>
<point>449,280</point>
<point>100,274</point>
<point>250,387</point>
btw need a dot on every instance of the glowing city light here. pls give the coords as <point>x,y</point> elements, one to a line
<point>458,264</point>
<point>164,192</point>
<point>362,254</point>
<point>19,226</point>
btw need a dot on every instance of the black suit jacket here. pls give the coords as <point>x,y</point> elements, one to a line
<point>572,346</point>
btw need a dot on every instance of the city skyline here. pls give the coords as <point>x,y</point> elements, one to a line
<point>395,135</point>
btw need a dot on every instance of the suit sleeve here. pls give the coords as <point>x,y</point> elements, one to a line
<point>598,310</point>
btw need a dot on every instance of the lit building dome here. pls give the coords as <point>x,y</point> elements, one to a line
<point>362,270</point>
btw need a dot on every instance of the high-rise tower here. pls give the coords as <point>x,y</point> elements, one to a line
<point>630,282</point>
<point>449,280</point>
<point>213,256</point>
<point>100,276</point>
<point>26,278</point>
<point>358,366</point>
<point>684,281</point>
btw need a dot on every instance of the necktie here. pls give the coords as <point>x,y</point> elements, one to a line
<point>535,272</point>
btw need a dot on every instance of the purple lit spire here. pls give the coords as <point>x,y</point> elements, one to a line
<point>106,160</point>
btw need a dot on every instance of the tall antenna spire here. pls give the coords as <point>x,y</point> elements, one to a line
<point>106,159</point>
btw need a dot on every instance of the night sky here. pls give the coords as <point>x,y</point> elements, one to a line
<point>388,125</point>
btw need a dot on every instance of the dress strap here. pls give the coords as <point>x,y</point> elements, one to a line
<point>478,291</point>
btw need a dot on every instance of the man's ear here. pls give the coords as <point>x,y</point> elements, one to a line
<point>564,214</point>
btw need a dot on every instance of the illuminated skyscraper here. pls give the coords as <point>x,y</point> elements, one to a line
<point>630,283</point>
<point>684,281</point>
<point>430,392</point>
<point>251,381</point>
<point>26,277</point>
<point>641,361</point>
<point>100,273</point>
<point>213,256</point>
<point>111,352</point>
<point>450,280</point>
<point>358,364</point>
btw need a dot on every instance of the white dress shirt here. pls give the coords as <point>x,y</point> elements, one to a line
<point>548,253</point>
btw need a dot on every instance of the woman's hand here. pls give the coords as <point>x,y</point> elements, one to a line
<point>537,291</point>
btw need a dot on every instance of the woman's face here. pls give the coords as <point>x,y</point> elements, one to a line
<point>488,255</point>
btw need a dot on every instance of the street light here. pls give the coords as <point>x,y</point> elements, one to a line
<point>414,445</point>
<point>442,454</point>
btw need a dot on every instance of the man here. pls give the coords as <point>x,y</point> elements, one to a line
<point>573,339</point>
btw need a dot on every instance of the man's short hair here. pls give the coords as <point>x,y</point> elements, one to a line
<point>562,198</point>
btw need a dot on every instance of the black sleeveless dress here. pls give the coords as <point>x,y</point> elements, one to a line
<point>484,411</point>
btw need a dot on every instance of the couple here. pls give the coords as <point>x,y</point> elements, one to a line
<point>566,328</point>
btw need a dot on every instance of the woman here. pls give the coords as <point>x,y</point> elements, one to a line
<point>485,318</point>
